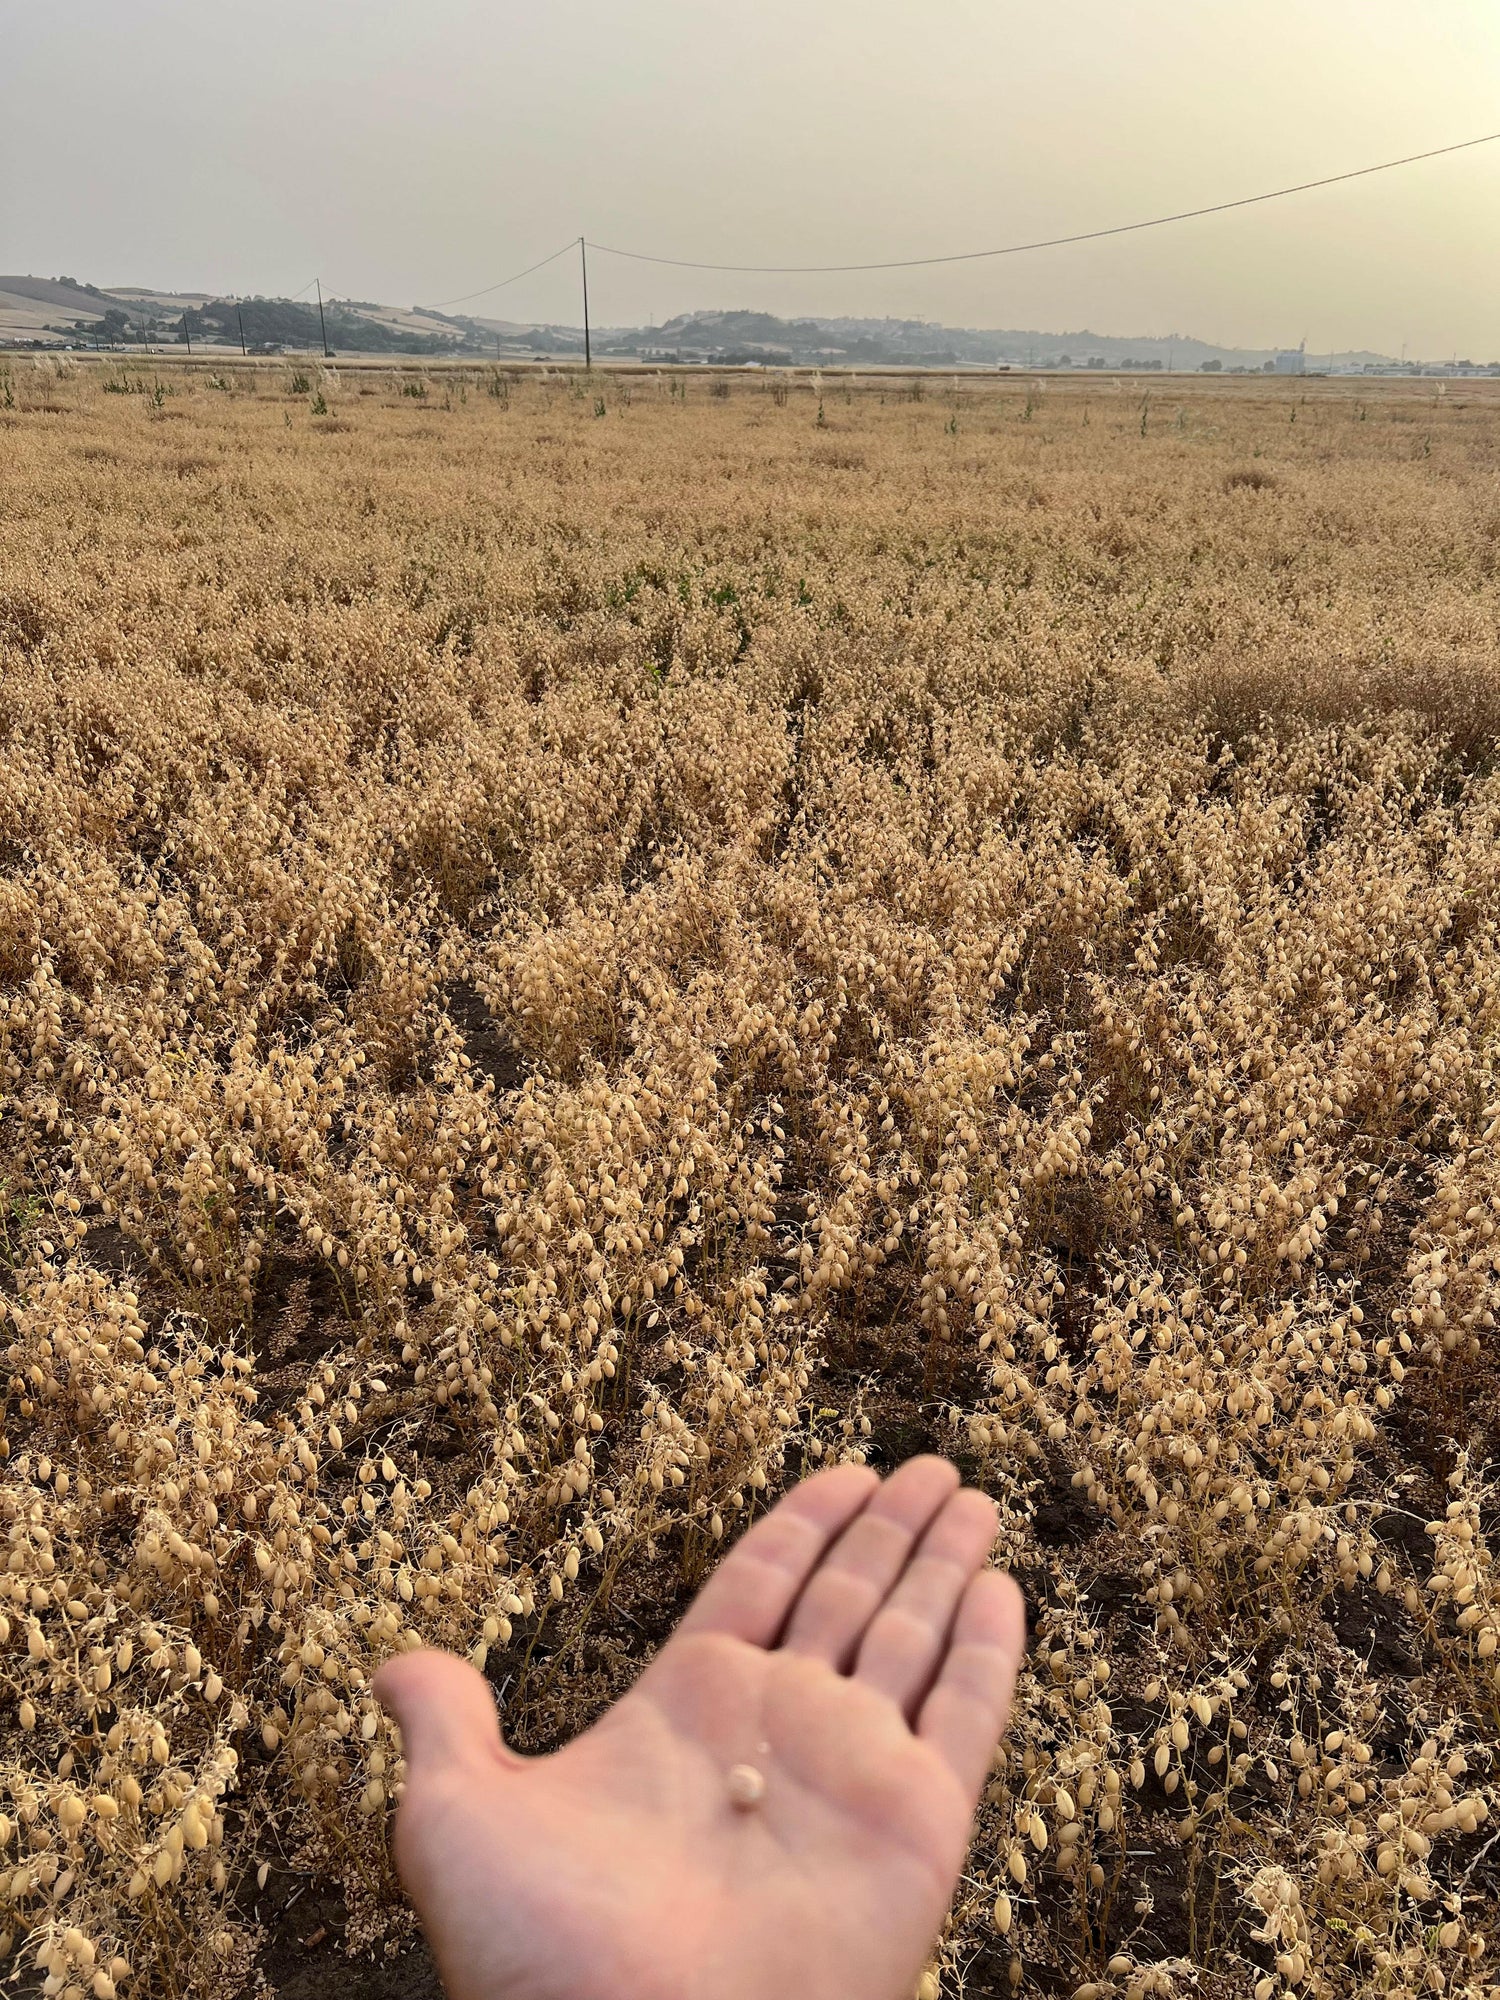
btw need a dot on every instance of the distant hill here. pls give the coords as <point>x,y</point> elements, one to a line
<point>60,294</point>
<point>288,324</point>
<point>749,336</point>
<point>57,312</point>
<point>60,312</point>
<point>28,306</point>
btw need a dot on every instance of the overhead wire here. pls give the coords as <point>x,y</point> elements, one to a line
<point>500,283</point>
<point>1044,243</point>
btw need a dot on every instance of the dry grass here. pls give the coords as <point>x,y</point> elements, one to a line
<point>557,971</point>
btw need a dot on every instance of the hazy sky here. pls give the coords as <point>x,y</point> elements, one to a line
<point>410,150</point>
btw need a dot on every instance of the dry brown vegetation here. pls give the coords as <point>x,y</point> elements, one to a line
<point>569,951</point>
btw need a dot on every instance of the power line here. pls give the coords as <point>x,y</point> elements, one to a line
<point>500,283</point>
<point>1047,243</point>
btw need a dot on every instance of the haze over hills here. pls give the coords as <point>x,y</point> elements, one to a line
<point>747,336</point>
<point>64,312</point>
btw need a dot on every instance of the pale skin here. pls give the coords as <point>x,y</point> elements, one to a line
<point>854,1650</point>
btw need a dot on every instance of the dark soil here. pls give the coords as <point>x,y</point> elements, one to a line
<point>304,1956</point>
<point>488,1049</point>
<point>109,1249</point>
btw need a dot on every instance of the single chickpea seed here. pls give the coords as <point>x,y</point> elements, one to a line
<point>746,1787</point>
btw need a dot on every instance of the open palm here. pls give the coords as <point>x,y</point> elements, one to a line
<point>852,1650</point>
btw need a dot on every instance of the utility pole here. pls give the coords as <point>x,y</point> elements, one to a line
<point>187,333</point>
<point>588,354</point>
<point>241,318</point>
<point>321,321</point>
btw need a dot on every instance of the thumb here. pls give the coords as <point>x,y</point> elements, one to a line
<point>444,1709</point>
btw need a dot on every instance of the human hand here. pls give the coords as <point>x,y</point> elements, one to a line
<point>853,1651</point>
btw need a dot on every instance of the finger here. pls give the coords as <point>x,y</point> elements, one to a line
<point>750,1593</point>
<point>964,1716</point>
<point>444,1709</point>
<point>850,1584</point>
<point>904,1646</point>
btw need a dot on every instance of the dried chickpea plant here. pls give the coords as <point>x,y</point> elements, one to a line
<point>558,973</point>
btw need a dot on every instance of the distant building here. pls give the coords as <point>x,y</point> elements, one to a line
<point>1290,361</point>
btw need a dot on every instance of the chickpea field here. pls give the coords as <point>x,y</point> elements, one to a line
<point>572,949</point>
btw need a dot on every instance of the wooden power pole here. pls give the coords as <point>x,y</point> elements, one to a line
<point>588,355</point>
